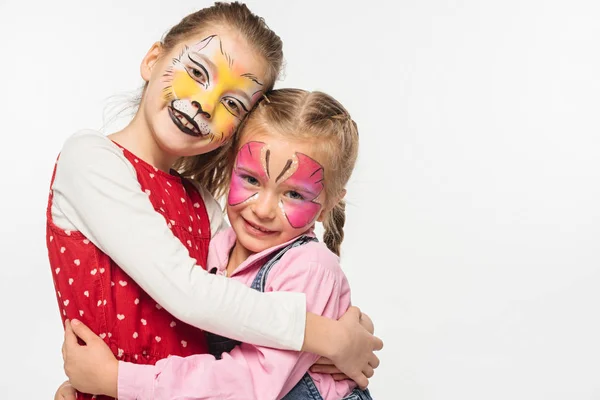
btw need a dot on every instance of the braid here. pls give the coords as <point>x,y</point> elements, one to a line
<point>334,227</point>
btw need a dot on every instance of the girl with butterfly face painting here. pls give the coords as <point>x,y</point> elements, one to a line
<point>128,237</point>
<point>293,158</point>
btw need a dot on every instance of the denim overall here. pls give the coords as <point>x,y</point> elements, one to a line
<point>305,389</point>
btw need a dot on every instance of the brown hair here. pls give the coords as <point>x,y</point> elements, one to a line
<point>209,169</point>
<point>318,117</point>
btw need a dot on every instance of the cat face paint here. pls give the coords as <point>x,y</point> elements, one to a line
<point>290,182</point>
<point>207,92</point>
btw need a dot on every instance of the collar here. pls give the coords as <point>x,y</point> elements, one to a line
<point>225,242</point>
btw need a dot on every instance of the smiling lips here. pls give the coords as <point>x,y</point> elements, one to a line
<point>260,229</point>
<point>185,123</point>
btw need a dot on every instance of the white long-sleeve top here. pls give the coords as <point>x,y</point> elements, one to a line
<point>96,192</point>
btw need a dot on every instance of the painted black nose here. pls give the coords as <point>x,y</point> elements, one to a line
<point>200,110</point>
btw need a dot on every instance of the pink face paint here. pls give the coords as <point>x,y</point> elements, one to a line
<point>250,161</point>
<point>307,180</point>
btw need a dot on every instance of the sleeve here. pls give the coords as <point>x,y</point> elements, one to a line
<point>248,371</point>
<point>215,213</point>
<point>100,194</point>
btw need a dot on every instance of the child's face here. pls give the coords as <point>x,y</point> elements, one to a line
<point>277,190</point>
<point>198,94</point>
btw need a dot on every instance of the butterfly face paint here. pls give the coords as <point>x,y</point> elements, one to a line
<point>296,183</point>
<point>207,92</point>
<point>306,176</point>
<point>248,164</point>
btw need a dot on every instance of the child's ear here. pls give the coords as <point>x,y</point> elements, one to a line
<point>149,60</point>
<point>324,211</point>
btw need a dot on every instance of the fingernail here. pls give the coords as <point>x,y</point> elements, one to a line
<point>75,322</point>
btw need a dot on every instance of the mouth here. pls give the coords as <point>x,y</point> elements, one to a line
<point>257,230</point>
<point>185,124</point>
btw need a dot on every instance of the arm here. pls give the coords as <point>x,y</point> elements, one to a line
<point>93,176</point>
<point>248,372</point>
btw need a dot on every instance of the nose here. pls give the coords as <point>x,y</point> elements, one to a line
<point>265,206</point>
<point>203,111</point>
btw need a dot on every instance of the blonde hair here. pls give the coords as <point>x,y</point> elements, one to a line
<point>318,117</point>
<point>209,168</point>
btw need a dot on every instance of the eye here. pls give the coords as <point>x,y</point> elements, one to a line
<point>234,106</point>
<point>250,179</point>
<point>292,194</point>
<point>197,75</point>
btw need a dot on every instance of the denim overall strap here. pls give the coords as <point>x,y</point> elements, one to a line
<point>261,277</point>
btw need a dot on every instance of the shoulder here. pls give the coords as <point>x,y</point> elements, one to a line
<point>213,209</point>
<point>316,254</point>
<point>206,195</point>
<point>87,150</point>
<point>311,261</point>
<point>314,270</point>
<point>86,139</point>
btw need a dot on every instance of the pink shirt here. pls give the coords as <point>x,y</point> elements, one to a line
<point>248,371</point>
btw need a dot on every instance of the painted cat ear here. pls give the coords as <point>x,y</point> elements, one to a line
<point>204,42</point>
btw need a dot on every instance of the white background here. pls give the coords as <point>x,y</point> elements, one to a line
<point>472,235</point>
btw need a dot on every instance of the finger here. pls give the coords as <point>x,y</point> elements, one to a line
<point>63,350</point>
<point>374,361</point>
<point>325,369</point>
<point>71,394</point>
<point>82,331</point>
<point>368,371</point>
<point>355,311</point>
<point>377,343</point>
<point>339,377</point>
<point>324,361</point>
<point>361,380</point>
<point>68,392</point>
<point>70,338</point>
<point>367,323</point>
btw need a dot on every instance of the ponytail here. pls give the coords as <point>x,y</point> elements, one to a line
<point>334,227</point>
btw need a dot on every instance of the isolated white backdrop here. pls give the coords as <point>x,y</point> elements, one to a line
<point>473,230</point>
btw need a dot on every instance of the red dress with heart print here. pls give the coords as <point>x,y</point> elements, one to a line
<point>92,288</point>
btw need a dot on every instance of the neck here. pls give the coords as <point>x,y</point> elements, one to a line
<point>238,255</point>
<point>137,137</point>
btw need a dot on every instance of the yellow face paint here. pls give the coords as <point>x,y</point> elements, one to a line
<point>207,92</point>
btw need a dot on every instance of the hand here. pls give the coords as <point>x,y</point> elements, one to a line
<point>354,347</point>
<point>366,322</point>
<point>91,368</point>
<point>326,366</point>
<point>65,392</point>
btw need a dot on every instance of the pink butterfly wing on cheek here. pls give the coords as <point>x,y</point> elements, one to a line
<point>248,158</point>
<point>309,175</point>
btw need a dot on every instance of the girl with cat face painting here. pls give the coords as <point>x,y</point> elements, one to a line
<point>128,237</point>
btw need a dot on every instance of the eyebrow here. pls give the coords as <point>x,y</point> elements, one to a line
<point>287,166</point>
<point>200,66</point>
<point>252,77</point>
<point>267,156</point>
